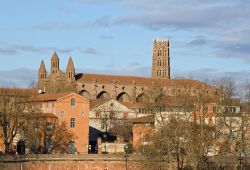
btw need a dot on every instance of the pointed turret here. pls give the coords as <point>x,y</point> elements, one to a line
<point>70,71</point>
<point>42,71</point>
<point>54,63</point>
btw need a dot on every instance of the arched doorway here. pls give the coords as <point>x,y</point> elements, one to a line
<point>85,94</point>
<point>142,98</point>
<point>123,97</point>
<point>103,95</point>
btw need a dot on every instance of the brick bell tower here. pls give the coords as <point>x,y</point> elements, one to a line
<point>160,59</point>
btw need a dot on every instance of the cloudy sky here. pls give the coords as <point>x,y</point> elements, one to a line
<point>208,39</point>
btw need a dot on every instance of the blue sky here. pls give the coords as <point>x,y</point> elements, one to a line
<point>209,39</point>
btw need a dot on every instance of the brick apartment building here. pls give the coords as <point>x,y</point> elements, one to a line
<point>71,108</point>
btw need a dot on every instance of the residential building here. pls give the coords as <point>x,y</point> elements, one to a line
<point>72,109</point>
<point>108,118</point>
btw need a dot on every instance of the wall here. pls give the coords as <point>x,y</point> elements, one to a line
<point>81,114</point>
<point>68,162</point>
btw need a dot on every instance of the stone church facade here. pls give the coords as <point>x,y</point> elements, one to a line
<point>122,88</point>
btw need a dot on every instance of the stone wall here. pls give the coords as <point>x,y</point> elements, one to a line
<point>70,162</point>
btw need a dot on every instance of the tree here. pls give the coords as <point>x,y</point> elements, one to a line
<point>123,129</point>
<point>183,123</point>
<point>60,138</point>
<point>16,113</point>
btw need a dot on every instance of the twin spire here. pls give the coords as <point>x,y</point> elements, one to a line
<point>55,70</point>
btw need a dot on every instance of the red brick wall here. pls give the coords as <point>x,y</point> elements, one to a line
<point>85,163</point>
<point>81,129</point>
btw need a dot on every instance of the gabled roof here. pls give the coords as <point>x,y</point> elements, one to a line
<point>106,105</point>
<point>96,102</point>
<point>54,96</point>
<point>50,96</point>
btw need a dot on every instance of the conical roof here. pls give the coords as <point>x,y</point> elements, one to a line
<point>42,67</point>
<point>70,65</point>
<point>54,56</point>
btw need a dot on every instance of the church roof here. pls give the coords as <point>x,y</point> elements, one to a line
<point>128,80</point>
<point>70,65</point>
<point>42,67</point>
<point>54,56</point>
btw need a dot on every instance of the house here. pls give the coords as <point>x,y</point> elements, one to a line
<point>72,109</point>
<point>143,128</point>
<point>107,118</point>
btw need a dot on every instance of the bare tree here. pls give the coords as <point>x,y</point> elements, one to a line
<point>61,137</point>
<point>16,113</point>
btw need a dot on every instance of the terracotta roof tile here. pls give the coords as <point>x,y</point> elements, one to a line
<point>132,104</point>
<point>23,92</point>
<point>50,96</point>
<point>48,115</point>
<point>110,79</point>
<point>96,102</point>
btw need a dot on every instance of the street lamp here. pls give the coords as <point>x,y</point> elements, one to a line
<point>126,149</point>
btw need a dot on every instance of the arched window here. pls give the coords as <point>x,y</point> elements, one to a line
<point>82,114</point>
<point>73,102</point>
<point>62,113</point>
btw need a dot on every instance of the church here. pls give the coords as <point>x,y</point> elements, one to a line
<point>122,88</point>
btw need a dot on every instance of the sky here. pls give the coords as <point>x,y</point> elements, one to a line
<point>209,39</point>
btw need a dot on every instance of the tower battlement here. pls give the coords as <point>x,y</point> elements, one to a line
<point>161,59</point>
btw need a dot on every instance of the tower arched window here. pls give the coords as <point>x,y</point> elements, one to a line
<point>160,72</point>
<point>160,62</point>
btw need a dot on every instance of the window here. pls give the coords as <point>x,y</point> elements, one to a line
<point>82,114</point>
<point>62,113</point>
<point>103,124</point>
<point>73,102</point>
<point>214,109</point>
<point>72,122</point>
<point>125,115</point>
<point>49,126</point>
<point>97,114</point>
<point>111,115</point>
<point>146,138</point>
